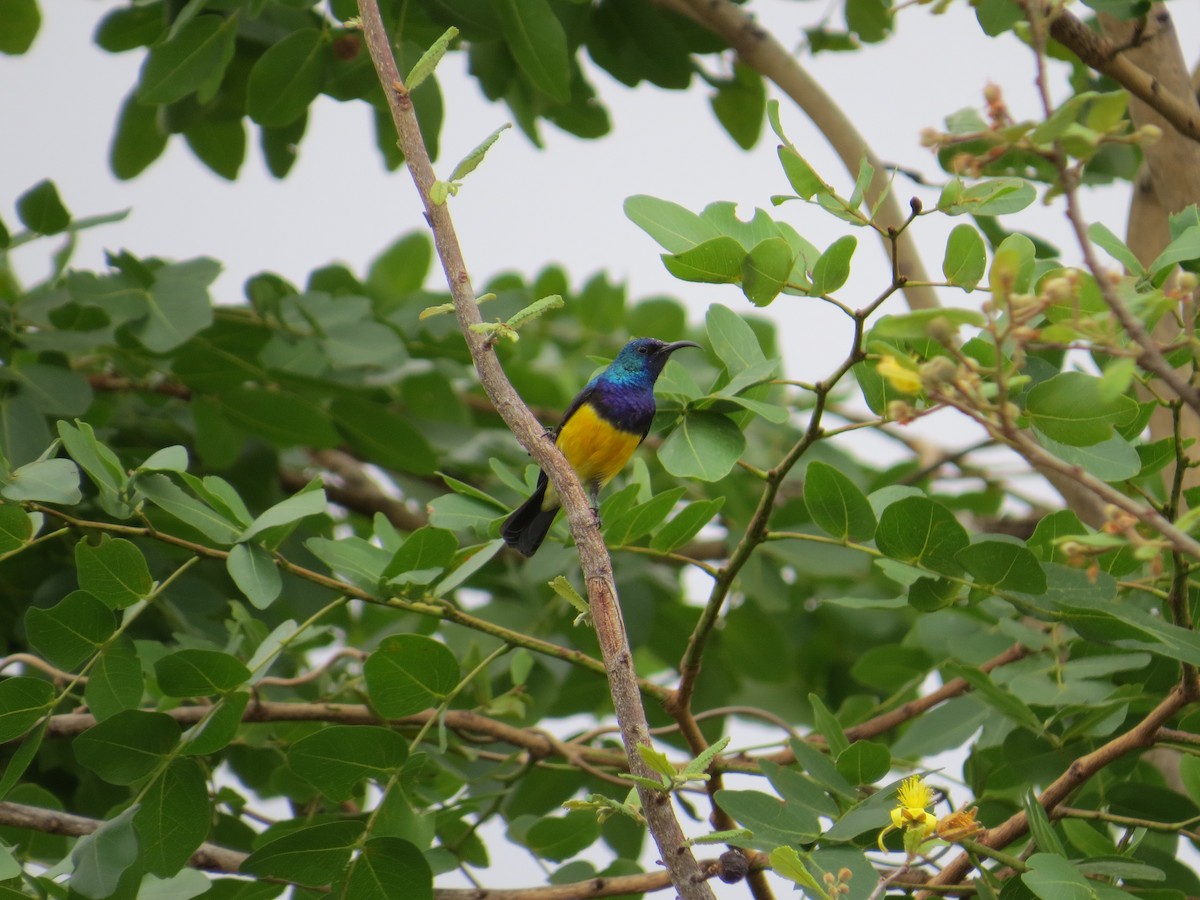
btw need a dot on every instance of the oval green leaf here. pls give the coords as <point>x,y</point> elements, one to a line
<point>837,505</point>
<point>705,446</point>
<point>408,673</point>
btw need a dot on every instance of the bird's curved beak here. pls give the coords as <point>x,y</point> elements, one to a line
<point>668,349</point>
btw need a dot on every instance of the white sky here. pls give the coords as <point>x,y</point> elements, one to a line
<point>523,208</point>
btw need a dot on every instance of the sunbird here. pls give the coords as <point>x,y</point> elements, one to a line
<point>599,432</point>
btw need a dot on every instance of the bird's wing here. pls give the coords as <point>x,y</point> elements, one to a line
<point>580,398</point>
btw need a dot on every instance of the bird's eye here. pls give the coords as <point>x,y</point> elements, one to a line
<point>643,350</point>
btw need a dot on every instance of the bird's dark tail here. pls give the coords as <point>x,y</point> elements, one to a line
<point>529,524</point>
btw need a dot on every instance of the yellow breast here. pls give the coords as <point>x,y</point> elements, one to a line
<point>595,449</point>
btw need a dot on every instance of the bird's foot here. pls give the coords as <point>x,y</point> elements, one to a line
<point>596,515</point>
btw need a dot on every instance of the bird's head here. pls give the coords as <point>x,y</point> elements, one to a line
<point>644,357</point>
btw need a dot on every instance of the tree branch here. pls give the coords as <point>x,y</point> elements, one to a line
<point>677,856</point>
<point>761,51</point>
<point>210,857</point>
<point>1103,56</point>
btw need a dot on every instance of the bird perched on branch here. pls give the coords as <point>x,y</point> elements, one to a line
<point>599,432</point>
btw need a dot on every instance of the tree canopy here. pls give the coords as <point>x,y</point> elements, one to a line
<point>262,634</point>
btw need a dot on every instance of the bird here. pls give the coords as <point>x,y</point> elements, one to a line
<point>600,430</point>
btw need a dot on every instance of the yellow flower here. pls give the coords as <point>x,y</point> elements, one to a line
<point>911,812</point>
<point>899,376</point>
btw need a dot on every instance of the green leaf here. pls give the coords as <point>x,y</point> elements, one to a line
<point>23,700</point>
<point>41,210</point>
<point>101,464</point>
<point>918,531</point>
<point>254,571</point>
<point>740,104</point>
<point>766,269</point>
<point>408,673</point>
<point>199,673</point>
<point>641,519</point>
<point>55,390</point>
<point>1103,238</point>
<point>130,27</point>
<point>471,161</point>
<point>72,630</point>
<point>864,762</point>
<point>285,419</point>
<point>384,863</point>
<point>15,528</point>
<point>921,324</point>
<point>336,759</point>
<point>827,725</point>
<point>114,571</point>
<point>287,78</point>
<point>19,24</point>
<point>837,505</point>
<point>705,446</point>
<point>796,788</point>
<point>308,502</point>
<point>425,549</point>
<point>1070,408</point>
<point>219,143</point>
<point>219,727</point>
<point>179,304</point>
<point>716,261</point>
<point>732,339</point>
<point>871,20</point>
<point>425,66</point>
<point>127,747</point>
<point>102,856</point>
<point>833,268</point>
<point>45,481</point>
<point>800,175</point>
<point>772,821</point>
<point>353,558</point>
<point>1114,459</point>
<point>115,681</point>
<point>1051,877</point>
<point>538,43</point>
<point>1004,566</point>
<point>561,837</point>
<point>675,228</point>
<point>999,698</point>
<point>686,524</point>
<point>167,459</point>
<point>1040,827</point>
<point>786,863</point>
<point>994,197</point>
<point>310,856</point>
<point>1185,248</point>
<point>382,436</point>
<point>174,818</point>
<point>193,61</point>
<point>965,261</point>
<point>821,768</point>
<point>170,498</point>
